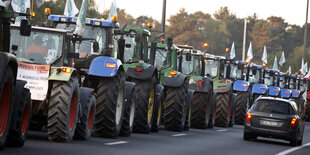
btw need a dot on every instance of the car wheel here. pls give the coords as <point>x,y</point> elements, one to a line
<point>300,141</point>
<point>294,141</point>
<point>246,136</point>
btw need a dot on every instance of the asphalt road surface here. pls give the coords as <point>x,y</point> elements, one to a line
<point>210,141</point>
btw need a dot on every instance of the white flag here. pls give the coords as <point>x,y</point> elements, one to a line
<point>305,69</point>
<point>302,67</point>
<point>81,21</point>
<point>282,59</point>
<point>19,6</point>
<point>113,10</point>
<point>304,95</point>
<point>264,57</point>
<point>250,52</point>
<point>289,69</point>
<point>39,3</point>
<point>275,63</point>
<point>233,51</point>
<point>27,4</point>
<point>70,9</point>
<point>2,4</point>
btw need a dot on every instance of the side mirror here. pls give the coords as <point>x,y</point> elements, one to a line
<point>95,47</point>
<point>188,57</point>
<point>25,27</point>
<point>14,47</point>
<point>128,45</point>
<point>254,71</point>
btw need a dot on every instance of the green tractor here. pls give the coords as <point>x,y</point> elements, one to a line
<point>176,101</point>
<point>190,62</point>
<point>15,102</point>
<point>46,62</point>
<point>216,67</point>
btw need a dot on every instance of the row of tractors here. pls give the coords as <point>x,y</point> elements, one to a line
<point>114,80</point>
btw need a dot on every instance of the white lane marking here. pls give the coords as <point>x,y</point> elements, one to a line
<point>222,130</point>
<point>178,135</point>
<point>293,149</point>
<point>116,143</point>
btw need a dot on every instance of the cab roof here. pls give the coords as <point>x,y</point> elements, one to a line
<point>138,29</point>
<point>44,29</point>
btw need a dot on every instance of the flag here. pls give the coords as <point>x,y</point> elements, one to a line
<point>305,69</point>
<point>275,63</point>
<point>2,4</point>
<point>19,6</point>
<point>81,21</point>
<point>233,51</point>
<point>250,53</point>
<point>302,67</point>
<point>304,95</point>
<point>27,4</point>
<point>70,9</point>
<point>39,3</point>
<point>264,57</point>
<point>290,69</point>
<point>282,59</point>
<point>113,10</point>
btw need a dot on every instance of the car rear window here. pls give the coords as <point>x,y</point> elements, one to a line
<point>273,106</point>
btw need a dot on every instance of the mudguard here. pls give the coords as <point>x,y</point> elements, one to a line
<point>146,73</point>
<point>222,86</point>
<point>273,91</point>
<point>5,60</point>
<point>285,93</point>
<point>241,85</point>
<point>103,66</point>
<point>259,89</point>
<point>128,91</point>
<point>173,80</point>
<point>189,97</point>
<point>213,105</point>
<point>199,84</point>
<point>295,93</point>
<point>84,93</point>
<point>57,75</point>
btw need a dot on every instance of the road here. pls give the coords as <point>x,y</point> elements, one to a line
<point>210,141</point>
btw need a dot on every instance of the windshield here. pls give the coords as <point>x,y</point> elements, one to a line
<point>269,79</point>
<point>191,67</point>
<point>235,72</point>
<point>254,78</point>
<point>130,54</point>
<point>273,106</point>
<point>282,82</point>
<point>39,47</point>
<point>91,32</point>
<point>211,67</point>
<point>162,58</point>
<point>292,83</point>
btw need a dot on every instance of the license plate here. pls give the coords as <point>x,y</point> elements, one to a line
<point>269,123</point>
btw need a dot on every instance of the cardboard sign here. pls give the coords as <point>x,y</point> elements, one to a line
<point>36,76</point>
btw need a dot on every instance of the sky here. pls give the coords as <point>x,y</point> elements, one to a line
<point>293,11</point>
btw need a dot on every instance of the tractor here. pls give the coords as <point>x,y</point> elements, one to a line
<point>15,102</point>
<point>190,62</point>
<point>46,60</point>
<point>216,67</point>
<point>104,71</point>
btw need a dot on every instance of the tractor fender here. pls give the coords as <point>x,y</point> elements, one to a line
<point>295,93</point>
<point>84,93</point>
<point>285,93</point>
<point>260,89</point>
<point>273,91</point>
<point>171,81</point>
<point>6,60</point>
<point>103,66</point>
<point>213,103</point>
<point>206,82</point>
<point>241,86</point>
<point>224,88</point>
<point>145,74</point>
<point>128,91</point>
<point>56,74</point>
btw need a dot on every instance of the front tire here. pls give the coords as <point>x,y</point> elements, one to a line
<point>63,110</point>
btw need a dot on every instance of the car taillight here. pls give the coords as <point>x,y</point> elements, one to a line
<point>248,117</point>
<point>293,122</point>
<point>139,69</point>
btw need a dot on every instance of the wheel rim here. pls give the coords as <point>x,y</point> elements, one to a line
<point>132,111</point>
<point>150,105</point>
<point>91,118</point>
<point>119,105</point>
<point>159,112</point>
<point>25,118</point>
<point>73,110</point>
<point>5,107</point>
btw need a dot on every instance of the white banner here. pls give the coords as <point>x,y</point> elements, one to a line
<point>36,77</point>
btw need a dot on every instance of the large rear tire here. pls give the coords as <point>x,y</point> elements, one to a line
<point>223,109</point>
<point>22,103</point>
<point>84,127</point>
<point>241,107</point>
<point>129,115</point>
<point>145,100</point>
<point>110,106</point>
<point>63,110</point>
<point>308,110</point>
<point>175,108</point>
<point>201,110</point>
<point>6,105</point>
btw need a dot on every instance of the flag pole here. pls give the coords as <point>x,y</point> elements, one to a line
<point>244,40</point>
<point>306,30</point>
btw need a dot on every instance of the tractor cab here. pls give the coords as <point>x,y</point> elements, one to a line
<point>189,60</point>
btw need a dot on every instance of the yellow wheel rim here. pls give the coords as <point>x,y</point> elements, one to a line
<point>151,105</point>
<point>189,113</point>
<point>159,112</point>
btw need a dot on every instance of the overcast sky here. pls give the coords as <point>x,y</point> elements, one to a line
<point>293,11</point>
